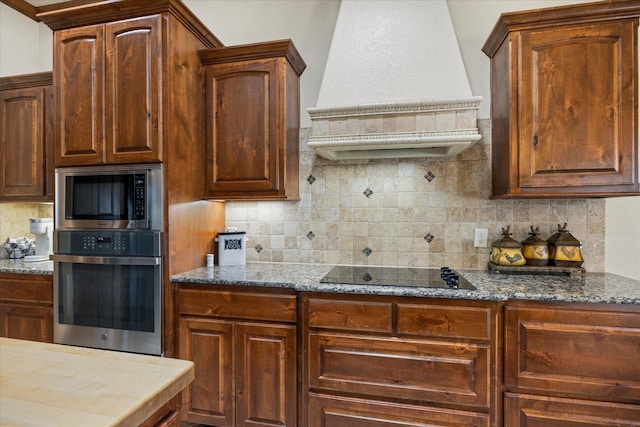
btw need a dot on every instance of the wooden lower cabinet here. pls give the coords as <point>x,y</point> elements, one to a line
<point>340,411</point>
<point>537,411</point>
<point>572,364</point>
<point>393,361</point>
<point>26,307</point>
<point>243,345</point>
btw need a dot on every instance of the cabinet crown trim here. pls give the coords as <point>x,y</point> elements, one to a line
<point>77,13</point>
<point>561,15</point>
<point>247,52</point>
<point>26,80</point>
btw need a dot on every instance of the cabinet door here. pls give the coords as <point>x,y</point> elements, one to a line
<point>578,114</point>
<point>266,375</point>
<point>209,399</point>
<point>78,80</point>
<point>243,155</point>
<point>537,411</point>
<point>22,143</point>
<point>582,353</point>
<point>132,78</point>
<point>26,322</point>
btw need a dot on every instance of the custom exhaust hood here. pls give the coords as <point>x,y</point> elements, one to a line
<point>395,85</point>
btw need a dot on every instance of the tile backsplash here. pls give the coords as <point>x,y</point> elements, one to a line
<point>406,212</point>
<point>14,220</point>
<point>413,212</point>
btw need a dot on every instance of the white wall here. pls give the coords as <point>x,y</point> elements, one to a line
<point>25,47</point>
<point>308,23</point>
<point>622,237</point>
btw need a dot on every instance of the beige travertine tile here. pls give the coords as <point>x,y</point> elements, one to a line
<point>403,208</point>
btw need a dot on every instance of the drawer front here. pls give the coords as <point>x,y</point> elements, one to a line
<point>240,305</point>
<point>444,321</point>
<point>325,411</point>
<point>27,289</point>
<point>580,353</point>
<point>369,316</point>
<point>534,411</point>
<point>418,370</point>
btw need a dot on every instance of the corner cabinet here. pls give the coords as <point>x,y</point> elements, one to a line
<point>26,307</point>
<point>243,345</point>
<point>564,99</point>
<point>571,364</point>
<point>26,138</point>
<point>253,121</point>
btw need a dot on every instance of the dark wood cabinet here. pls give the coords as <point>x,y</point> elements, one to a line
<point>564,99</point>
<point>108,91</point>
<point>129,88</point>
<point>532,411</point>
<point>392,361</point>
<point>26,307</point>
<point>574,364</point>
<point>243,345</point>
<point>253,120</point>
<point>26,146</point>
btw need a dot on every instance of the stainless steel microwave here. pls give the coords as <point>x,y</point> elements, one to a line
<point>113,196</point>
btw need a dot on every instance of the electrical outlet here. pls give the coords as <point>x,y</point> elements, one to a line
<point>480,240</point>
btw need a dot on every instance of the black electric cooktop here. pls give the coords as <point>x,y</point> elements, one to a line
<point>397,276</point>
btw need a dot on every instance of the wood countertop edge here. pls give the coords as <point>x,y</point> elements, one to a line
<point>164,379</point>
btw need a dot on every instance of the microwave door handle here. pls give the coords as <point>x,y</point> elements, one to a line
<point>130,260</point>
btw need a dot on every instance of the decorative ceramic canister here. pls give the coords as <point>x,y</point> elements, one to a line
<point>506,251</point>
<point>564,249</point>
<point>534,249</point>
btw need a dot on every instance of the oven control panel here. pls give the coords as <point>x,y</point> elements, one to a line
<point>108,243</point>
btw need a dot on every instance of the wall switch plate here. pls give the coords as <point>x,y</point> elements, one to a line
<point>480,240</point>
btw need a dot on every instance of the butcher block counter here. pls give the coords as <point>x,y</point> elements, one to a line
<point>56,385</point>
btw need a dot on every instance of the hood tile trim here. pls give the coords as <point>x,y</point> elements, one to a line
<point>407,129</point>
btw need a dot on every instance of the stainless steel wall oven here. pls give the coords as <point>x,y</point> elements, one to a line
<point>108,265</point>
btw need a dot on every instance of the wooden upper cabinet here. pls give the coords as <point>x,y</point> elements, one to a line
<point>133,70</point>
<point>253,120</point>
<point>26,154</point>
<point>564,89</point>
<point>107,82</point>
<point>79,94</point>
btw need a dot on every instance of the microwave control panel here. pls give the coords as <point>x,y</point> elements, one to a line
<point>140,197</point>
<point>108,243</point>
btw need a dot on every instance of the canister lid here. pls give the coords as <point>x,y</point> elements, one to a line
<point>563,237</point>
<point>506,241</point>
<point>534,238</point>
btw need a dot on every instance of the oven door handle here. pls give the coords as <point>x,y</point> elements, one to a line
<point>129,260</point>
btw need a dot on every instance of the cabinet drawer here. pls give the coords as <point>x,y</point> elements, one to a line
<point>240,305</point>
<point>349,412</point>
<point>444,321</point>
<point>370,316</point>
<point>24,288</point>
<point>578,352</point>
<point>418,370</point>
<point>532,411</point>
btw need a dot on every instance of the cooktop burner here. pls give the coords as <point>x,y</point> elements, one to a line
<point>397,276</point>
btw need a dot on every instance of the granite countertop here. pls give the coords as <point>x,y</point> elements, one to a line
<point>18,266</point>
<point>60,385</point>
<point>592,288</point>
